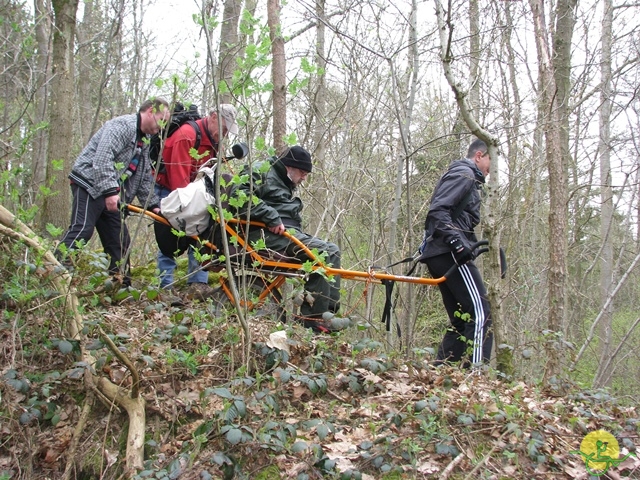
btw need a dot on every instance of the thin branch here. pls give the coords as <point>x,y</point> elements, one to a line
<point>449,469</point>
<point>75,440</point>
<point>474,471</point>
<point>616,352</point>
<point>602,312</point>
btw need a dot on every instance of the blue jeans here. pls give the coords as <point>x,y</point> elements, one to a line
<point>167,265</point>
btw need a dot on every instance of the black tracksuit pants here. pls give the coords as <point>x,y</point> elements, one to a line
<point>465,299</point>
<point>88,214</point>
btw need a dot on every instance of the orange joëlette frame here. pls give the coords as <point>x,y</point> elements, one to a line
<point>371,275</point>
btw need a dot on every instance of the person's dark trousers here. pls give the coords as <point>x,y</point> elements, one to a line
<point>326,294</point>
<point>465,299</point>
<point>88,214</point>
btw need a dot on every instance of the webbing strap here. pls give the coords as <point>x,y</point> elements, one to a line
<point>388,306</point>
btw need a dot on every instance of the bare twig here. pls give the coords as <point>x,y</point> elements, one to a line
<point>603,310</point>
<point>449,469</point>
<point>622,343</point>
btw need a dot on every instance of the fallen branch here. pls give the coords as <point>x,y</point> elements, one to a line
<point>13,228</point>
<point>135,408</point>
<point>135,383</point>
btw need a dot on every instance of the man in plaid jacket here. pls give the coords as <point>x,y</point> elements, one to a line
<point>114,167</point>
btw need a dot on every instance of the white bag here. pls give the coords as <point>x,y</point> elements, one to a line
<point>186,208</point>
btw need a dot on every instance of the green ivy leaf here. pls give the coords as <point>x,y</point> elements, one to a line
<point>221,392</point>
<point>234,436</point>
<point>299,446</point>
<point>465,419</point>
<point>65,347</point>
<point>419,406</point>
<point>148,360</point>
<point>322,431</point>
<point>241,408</point>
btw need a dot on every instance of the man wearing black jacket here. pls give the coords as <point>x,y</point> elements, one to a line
<point>449,233</point>
<point>274,202</point>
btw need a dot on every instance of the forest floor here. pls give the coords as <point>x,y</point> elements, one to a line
<point>305,406</point>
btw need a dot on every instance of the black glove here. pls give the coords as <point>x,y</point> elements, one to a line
<point>461,253</point>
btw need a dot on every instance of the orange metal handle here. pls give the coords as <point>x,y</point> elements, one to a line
<point>371,275</point>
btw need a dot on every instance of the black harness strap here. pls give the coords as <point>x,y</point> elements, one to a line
<point>196,127</point>
<point>388,306</point>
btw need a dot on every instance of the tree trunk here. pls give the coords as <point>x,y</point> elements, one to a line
<point>320,98</point>
<point>403,91</point>
<point>86,74</point>
<point>474,55</point>
<point>504,336</point>
<point>554,80</point>
<point>602,377</point>
<point>319,202</point>
<point>56,207</point>
<point>278,75</point>
<point>561,69</point>
<point>228,48</point>
<point>43,73</point>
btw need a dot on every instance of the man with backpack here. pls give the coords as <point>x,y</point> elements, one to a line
<point>114,167</point>
<point>193,144</point>
<point>449,232</point>
<point>270,198</point>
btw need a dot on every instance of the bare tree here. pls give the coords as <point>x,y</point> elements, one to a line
<point>278,75</point>
<point>320,98</point>
<point>99,59</point>
<point>55,209</point>
<point>606,195</point>
<point>404,112</point>
<point>554,68</point>
<point>43,74</point>
<point>445,27</point>
<point>229,46</point>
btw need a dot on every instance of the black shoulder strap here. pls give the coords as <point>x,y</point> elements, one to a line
<point>196,127</point>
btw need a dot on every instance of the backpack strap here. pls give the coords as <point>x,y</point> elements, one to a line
<point>196,127</point>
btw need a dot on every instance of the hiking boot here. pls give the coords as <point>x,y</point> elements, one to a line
<point>327,323</point>
<point>168,296</point>
<point>199,291</point>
